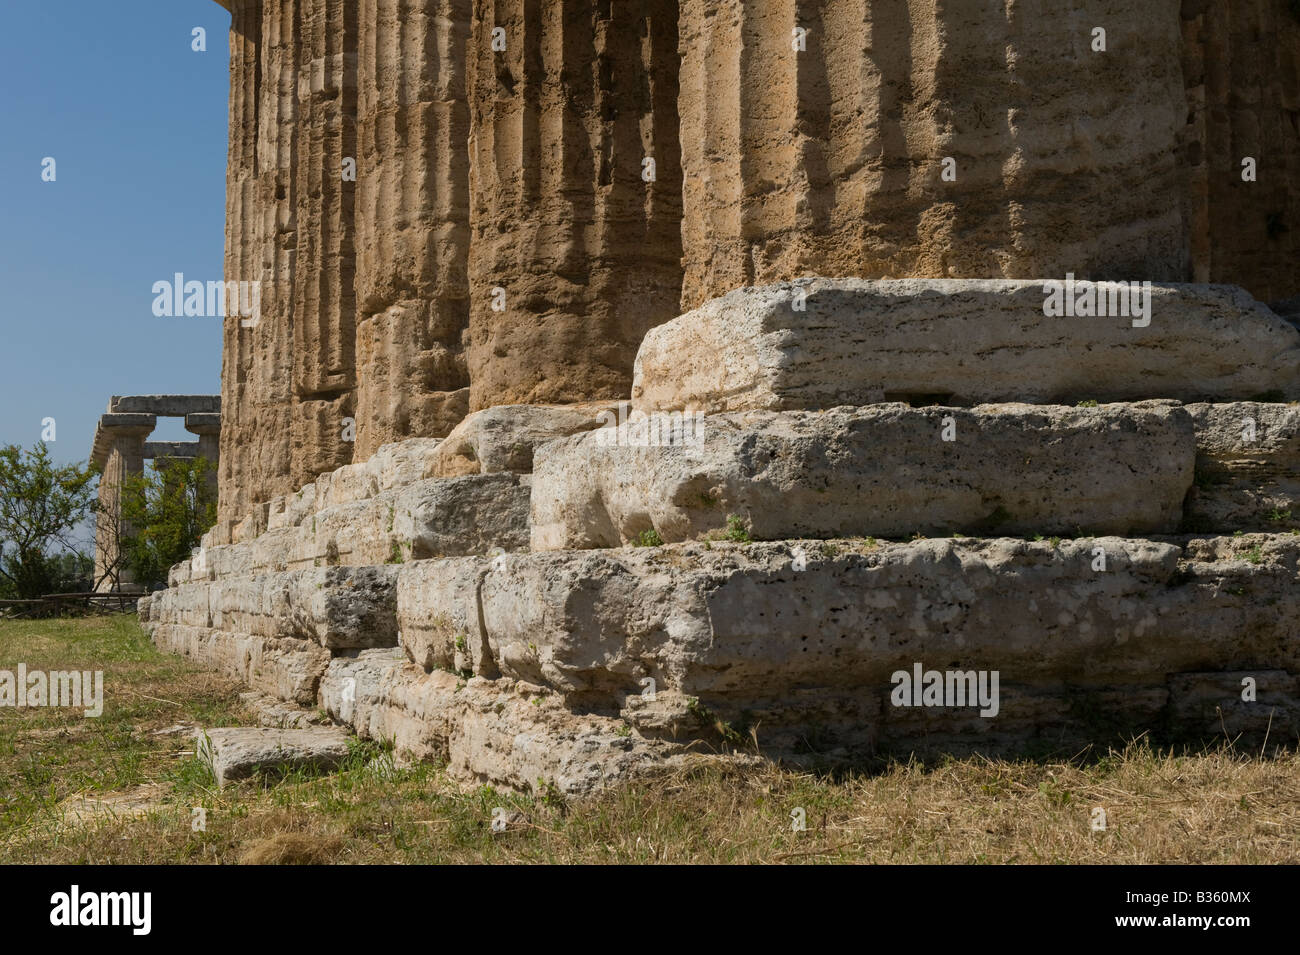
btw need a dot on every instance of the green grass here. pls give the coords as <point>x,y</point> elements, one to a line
<point>649,538</point>
<point>1212,806</point>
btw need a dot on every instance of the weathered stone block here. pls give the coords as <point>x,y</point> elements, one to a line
<point>886,470</point>
<point>286,669</point>
<point>497,732</point>
<point>449,517</point>
<point>958,342</point>
<point>438,615</point>
<point>736,623</point>
<point>235,753</point>
<point>504,438</point>
<point>1212,704</point>
<point>1247,467</point>
<point>337,607</point>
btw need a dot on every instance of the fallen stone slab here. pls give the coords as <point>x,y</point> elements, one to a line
<point>1247,467</point>
<point>958,341</point>
<point>235,753</point>
<point>884,470</point>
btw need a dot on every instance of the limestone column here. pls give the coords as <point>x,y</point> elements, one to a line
<point>324,298</point>
<point>1241,68</point>
<point>585,252</point>
<point>815,133</point>
<point>208,428</point>
<point>243,257</point>
<point>412,220</point>
<point>119,448</point>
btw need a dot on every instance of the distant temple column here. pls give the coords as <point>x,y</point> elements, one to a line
<point>208,428</point>
<point>120,451</point>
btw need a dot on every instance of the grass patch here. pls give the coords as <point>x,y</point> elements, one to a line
<point>1208,806</point>
<point>649,538</point>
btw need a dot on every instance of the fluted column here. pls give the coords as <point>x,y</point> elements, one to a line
<point>830,159</point>
<point>1241,67</point>
<point>412,220</point>
<point>243,258</point>
<point>120,450</point>
<point>324,299</point>
<point>584,250</point>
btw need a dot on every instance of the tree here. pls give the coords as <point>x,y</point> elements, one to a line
<point>40,506</point>
<point>165,512</point>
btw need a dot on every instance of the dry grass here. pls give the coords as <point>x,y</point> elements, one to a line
<point>1209,807</point>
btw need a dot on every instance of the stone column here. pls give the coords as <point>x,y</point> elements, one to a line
<point>830,159</point>
<point>257,373</point>
<point>208,428</point>
<point>585,251</point>
<point>1241,67</point>
<point>119,448</point>
<point>324,298</point>
<point>243,260</point>
<point>412,221</point>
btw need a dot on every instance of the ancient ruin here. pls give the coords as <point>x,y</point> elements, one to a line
<point>121,448</point>
<point>935,285</point>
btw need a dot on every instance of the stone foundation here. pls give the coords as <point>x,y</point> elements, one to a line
<point>1122,568</point>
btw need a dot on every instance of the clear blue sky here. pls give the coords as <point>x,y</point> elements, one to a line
<point>136,121</point>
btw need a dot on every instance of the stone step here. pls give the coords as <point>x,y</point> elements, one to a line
<point>337,608</point>
<point>810,634</point>
<point>497,732</point>
<point>885,470</point>
<point>588,666</point>
<point>830,342</point>
<point>882,470</point>
<point>473,514</point>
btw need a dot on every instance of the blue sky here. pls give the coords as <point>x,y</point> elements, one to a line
<point>136,122</point>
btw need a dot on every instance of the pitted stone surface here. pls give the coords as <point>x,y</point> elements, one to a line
<point>734,622</point>
<point>436,517</point>
<point>960,342</point>
<point>886,470</point>
<point>288,669</point>
<point>506,437</point>
<point>497,732</point>
<point>1247,467</point>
